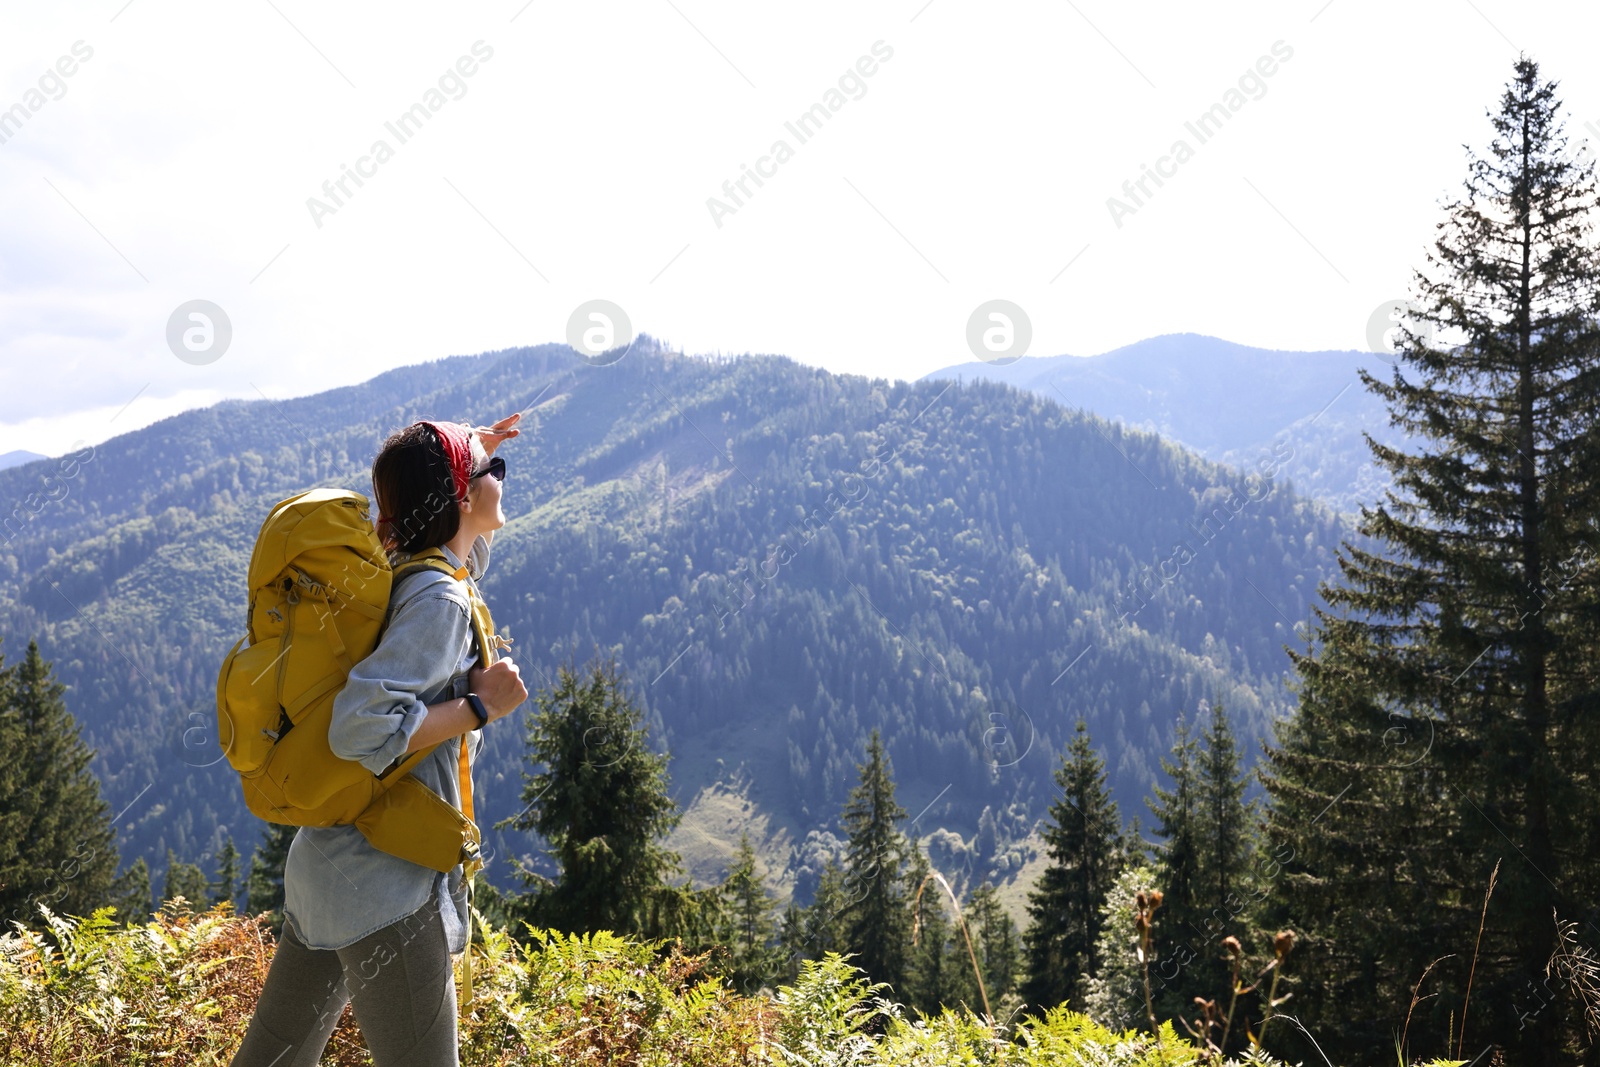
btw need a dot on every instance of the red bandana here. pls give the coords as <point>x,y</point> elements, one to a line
<point>456,440</point>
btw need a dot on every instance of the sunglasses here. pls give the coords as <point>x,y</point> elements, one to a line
<point>496,469</point>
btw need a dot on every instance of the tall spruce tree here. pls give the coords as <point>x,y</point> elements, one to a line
<point>1447,712</point>
<point>1085,849</point>
<point>1225,899</point>
<point>749,926</point>
<point>1224,855</point>
<point>1178,824</point>
<point>601,802</point>
<point>57,846</point>
<point>877,919</point>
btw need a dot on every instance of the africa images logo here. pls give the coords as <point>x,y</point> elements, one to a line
<point>1205,126</point>
<point>807,125</point>
<point>52,86</point>
<point>405,126</point>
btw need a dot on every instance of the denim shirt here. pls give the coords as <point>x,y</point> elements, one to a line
<point>337,887</point>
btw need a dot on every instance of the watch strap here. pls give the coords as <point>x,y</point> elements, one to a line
<point>479,710</point>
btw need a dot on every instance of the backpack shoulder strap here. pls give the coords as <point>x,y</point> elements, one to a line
<point>482,626</point>
<point>430,559</point>
<point>483,632</point>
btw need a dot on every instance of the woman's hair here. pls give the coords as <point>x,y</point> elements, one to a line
<point>415,489</point>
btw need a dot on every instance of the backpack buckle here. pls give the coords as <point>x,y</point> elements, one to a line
<point>285,724</point>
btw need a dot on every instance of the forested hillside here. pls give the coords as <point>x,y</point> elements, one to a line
<point>781,558</point>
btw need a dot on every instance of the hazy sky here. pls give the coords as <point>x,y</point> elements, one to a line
<point>576,160</point>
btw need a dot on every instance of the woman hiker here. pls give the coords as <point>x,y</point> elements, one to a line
<point>361,926</point>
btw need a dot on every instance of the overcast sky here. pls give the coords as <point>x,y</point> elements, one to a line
<point>968,154</point>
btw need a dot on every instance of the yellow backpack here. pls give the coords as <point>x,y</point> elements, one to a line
<point>319,592</point>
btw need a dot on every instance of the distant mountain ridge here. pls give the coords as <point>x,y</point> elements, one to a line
<point>1229,402</point>
<point>17,457</point>
<point>781,558</point>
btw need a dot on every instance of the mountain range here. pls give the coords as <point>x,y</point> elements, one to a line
<point>780,558</point>
<point>17,457</point>
<point>1229,402</point>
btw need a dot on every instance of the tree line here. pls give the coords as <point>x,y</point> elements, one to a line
<point>596,796</point>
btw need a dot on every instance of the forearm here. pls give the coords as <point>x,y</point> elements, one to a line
<point>446,719</point>
<point>378,713</point>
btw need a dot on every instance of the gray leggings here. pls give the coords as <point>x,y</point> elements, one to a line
<point>398,980</point>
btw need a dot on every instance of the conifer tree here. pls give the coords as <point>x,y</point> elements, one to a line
<point>1084,845</point>
<point>1224,855</point>
<point>812,931</point>
<point>130,894</point>
<point>265,886</point>
<point>602,805</point>
<point>750,923</point>
<point>1446,717</point>
<point>57,846</point>
<point>1178,823</point>
<point>226,886</point>
<point>1203,866</point>
<point>184,880</point>
<point>752,902</point>
<point>877,921</point>
<point>995,940</point>
<point>11,813</point>
<point>791,942</point>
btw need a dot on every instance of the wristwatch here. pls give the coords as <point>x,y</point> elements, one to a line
<point>479,710</point>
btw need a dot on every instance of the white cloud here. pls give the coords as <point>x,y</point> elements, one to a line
<point>56,435</point>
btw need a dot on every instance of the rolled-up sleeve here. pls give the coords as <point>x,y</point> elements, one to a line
<point>381,705</point>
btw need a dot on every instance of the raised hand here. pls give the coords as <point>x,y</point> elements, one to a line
<point>504,430</point>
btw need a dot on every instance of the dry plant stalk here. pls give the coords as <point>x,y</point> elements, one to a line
<point>1144,906</point>
<point>1282,945</point>
<point>916,928</point>
<point>1461,1038</point>
<point>1415,1000</point>
<point>1578,966</point>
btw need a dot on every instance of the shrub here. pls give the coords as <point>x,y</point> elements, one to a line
<point>181,987</point>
